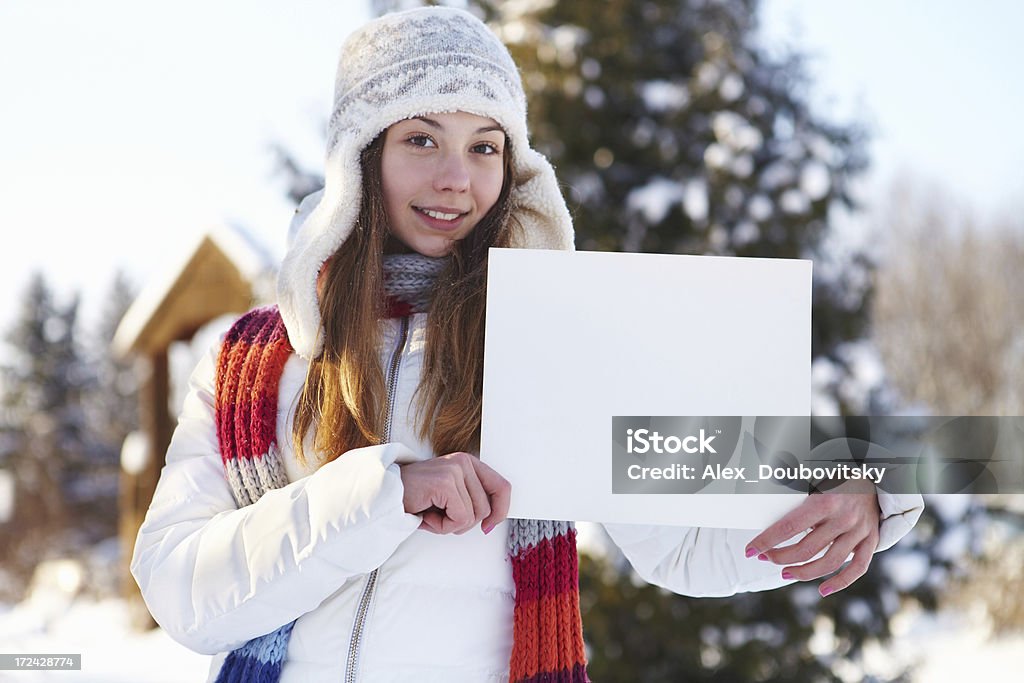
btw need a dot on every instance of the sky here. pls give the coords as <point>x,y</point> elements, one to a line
<point>127,129</point>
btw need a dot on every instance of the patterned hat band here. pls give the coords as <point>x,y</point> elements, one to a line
<point>400,79</point>
<point>421,86</point>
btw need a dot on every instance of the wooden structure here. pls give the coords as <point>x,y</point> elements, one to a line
<point>224,273</point>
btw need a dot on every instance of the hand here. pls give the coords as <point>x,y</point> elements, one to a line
<point>844,519</point>
<point>453,492</point>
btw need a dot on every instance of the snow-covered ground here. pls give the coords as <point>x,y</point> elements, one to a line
<point>111,651</point>
<point>950,647</point>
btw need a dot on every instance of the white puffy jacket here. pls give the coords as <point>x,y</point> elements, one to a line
<point>440,609</point>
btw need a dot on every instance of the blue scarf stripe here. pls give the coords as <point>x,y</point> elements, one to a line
<point>258,661</point>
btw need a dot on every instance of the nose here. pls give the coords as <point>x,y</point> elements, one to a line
<point>452,174</point>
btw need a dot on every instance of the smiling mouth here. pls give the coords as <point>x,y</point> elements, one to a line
<point>440,215</point>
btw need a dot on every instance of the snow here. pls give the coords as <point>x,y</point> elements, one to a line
<point>954,544</point>
<point>759,208</point>
<point>745,233</point>
<point>655,199</point>
<point>664,96</point>
<point>815,180</point>
<point>695,200</point>
<point>112,652</point>
<point>57,618</point>
<point>742,166</point>
<point>135,452</point>
<point>6,495</point>
<point>824,376</point>
<point>716,156</point>
<point>794,201</point>
<point>906,569</point>
<point>734,131</point>
<point>731,88</point>
<point>858,611</point>
<point>779,174</point>
<point>948,646</point>
<point>708,76</point>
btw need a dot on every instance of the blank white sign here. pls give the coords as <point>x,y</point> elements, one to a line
<point>574,338</point>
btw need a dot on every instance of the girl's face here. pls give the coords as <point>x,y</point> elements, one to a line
<point>441,173</point>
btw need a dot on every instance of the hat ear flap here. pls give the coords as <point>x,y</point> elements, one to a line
<point>323,222</point>
<point>539,206</point>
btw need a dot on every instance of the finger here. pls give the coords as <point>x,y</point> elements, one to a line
<point>475,488</point>
<point>831,561</point>
<point>858,566</point>
<point>499,491</point>
<point>453,500</point>
<point>433,521</point>
<point>461,516</point>
<point>805,516</point>
<point>807,548</point>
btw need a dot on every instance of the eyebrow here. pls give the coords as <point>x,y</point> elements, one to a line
<point>435,124</point>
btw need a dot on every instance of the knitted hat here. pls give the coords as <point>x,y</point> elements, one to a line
<point>413,63</point>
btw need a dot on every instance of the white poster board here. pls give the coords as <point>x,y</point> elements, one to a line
<point>574,338</point>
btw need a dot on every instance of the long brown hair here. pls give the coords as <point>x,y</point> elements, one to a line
<point>343,400</point>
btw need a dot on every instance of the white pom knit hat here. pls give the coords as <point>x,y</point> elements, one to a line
<point>402,65</point>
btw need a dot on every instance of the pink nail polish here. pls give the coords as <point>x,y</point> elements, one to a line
<point>787,574</point>
<point>826,591</point>
<point>751,551</point>
<point>762,557</point>
<point>488,529</point>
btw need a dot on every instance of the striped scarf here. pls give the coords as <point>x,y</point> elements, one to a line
<point>547,630</point>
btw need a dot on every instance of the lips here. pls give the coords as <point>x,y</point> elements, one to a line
<point>440,218</point>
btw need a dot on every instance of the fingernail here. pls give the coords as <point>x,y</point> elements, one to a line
<point>488,529</point>
<point>762,556</point>
<point>751,551</point>
<point>787,574</point>
<point>826,591</point>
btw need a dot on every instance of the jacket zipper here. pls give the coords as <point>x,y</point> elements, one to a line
<point>371,581</point>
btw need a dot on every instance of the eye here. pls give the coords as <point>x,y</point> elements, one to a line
<point>420,140</point>
<point>487,148</point>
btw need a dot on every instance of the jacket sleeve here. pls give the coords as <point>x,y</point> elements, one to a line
<point>709,562</point>
<point>215,576</point>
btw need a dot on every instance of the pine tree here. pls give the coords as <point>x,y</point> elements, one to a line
<point>45,429</point>
<point>112,407</point>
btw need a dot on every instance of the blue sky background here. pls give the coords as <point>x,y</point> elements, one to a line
<point>128,128</point>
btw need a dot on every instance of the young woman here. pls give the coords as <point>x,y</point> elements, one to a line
<point>323,514</point>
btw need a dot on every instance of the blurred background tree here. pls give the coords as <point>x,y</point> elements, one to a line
<point>64,415</point>
<point>949,318</point>
<point>949,323</point>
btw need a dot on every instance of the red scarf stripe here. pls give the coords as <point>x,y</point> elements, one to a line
<point>264,393</point>
<point>248,387</point>
<point>229,364</point>
<point>532,562</point>
<point>240,389</point>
